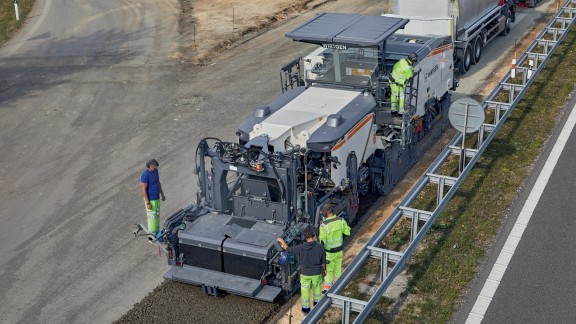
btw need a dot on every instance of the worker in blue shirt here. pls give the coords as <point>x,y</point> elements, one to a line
<point>152,191</point>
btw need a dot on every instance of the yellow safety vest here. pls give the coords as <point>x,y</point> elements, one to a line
<point>402,71</point>
<point>332,231</point>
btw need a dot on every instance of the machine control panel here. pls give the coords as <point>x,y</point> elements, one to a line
<point>291,233</point>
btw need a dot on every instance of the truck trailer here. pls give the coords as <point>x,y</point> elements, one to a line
<point>471,24</point>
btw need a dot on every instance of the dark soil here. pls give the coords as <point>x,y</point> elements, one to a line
<point>173,302</point>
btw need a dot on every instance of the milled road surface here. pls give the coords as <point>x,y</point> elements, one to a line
<point>84,90</point>
<point>88,92</point>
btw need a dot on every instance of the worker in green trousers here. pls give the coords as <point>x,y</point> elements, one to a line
<point>402,72</point>
<point>312,259</point>
<point>332,231</point>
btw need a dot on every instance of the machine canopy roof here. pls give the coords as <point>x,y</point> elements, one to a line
<point>353,30</point>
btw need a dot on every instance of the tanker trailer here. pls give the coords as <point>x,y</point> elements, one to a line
<point>471,23</point>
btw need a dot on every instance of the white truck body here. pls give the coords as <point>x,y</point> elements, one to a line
<point>468,12</point>
<point>470,23</point>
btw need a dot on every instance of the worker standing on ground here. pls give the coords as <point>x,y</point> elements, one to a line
<point>402,72</point>
<point>312,259</point>
<point>332,231</point>
<point>152,190</point>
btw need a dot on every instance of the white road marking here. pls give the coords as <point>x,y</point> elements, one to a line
<point>493,281</point>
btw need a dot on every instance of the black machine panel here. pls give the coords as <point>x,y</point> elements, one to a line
<point>201,257</point>
<point>229,244</point>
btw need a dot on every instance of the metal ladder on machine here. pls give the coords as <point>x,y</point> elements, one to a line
<point>290,77</point>
<point>410,104</point>
<point>539,53</point>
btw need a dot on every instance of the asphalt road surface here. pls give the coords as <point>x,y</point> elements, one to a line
<point>85,90</point>
<point>529,276</point>
<point>539,285</point>
<point>90,90</point>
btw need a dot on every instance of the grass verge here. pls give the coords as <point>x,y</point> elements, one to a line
<point>457,244</point>
<point>8,23</point>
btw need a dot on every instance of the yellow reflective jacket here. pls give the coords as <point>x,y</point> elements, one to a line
<point>402,72</point>
<point>332,231</point>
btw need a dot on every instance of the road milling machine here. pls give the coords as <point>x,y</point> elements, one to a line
<point>328,139</point>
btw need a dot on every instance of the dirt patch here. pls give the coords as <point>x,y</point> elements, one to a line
<point>208,28</point>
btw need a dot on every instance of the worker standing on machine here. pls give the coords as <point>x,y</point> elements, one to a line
<point>332,231</point>
<point>402,72</point>
<point>152,190</point>
<point>312,259</point>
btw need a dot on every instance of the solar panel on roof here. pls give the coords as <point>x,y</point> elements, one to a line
<point>350,29</point>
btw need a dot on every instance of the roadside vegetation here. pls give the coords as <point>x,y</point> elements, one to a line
<point>458,242</point>
<point>8,23</point>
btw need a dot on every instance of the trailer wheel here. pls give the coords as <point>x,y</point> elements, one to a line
<point>506,30</point>
<point>478,44</point>
<point>466,60</point>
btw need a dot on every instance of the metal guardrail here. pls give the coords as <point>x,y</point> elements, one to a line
<point>530,64</point>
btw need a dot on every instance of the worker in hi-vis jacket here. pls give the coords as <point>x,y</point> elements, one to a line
<point>402,72</point>
<point>332,231</point>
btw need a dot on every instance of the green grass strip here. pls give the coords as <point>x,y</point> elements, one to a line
<point>8,23</point>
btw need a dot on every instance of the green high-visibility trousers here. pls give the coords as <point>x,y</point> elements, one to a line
<point>397,97</point>
<point>153,216</point>
<point>333,268</point>
<point>307,282</point>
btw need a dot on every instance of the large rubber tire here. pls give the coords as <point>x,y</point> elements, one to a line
<point>507,26</point>
<point>466,60</point>
<point>477,50</point>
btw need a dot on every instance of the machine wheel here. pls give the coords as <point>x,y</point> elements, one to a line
<point>507,27</point>
<point>466,60</point>
<point>478,44</point>
<point>379,186</point>
<point>378,166</point>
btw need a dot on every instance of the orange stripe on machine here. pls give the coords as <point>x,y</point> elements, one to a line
<point>353,131</point>
<point>440,50</point>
